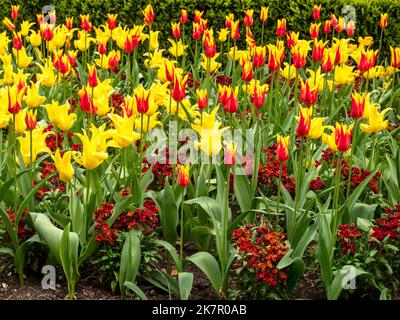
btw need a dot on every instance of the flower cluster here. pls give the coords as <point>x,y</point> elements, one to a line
<point>261,250</point>
<point>269,173</point>
<point>24,231</point>
<point>146,219</point>
<point>388,226</point>
<point>346,235</point>
<point>359,175</point>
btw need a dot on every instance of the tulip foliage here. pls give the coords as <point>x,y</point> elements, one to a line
<point>257,151</point>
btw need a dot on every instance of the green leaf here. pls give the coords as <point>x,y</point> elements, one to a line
<point>173,253</point>
<point>169,215</point>
<point>351,201</point>
<point>362,210</point>
<point>347,273</point>
<point>130,259</point>
<point>185,280</point>
<point>131,286</point>
<point>209,205</point>
<point>242,189</point>
<point>207,263</point>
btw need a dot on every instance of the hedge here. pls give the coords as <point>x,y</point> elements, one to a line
<point>297,12</point>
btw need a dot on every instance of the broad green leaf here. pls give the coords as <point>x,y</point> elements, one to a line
<point>131,286</point>
<point>130,259</point>
<point>207,263</point>
<point>185,280</point>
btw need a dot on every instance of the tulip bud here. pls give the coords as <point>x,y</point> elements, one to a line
<point>282,150</point>
<point>258,99</point>
<point>230,154</point>
<point>31,119</point>
<point>69,22</point>
<point>281,29</point>
<point>247,71</point>
<point>316,12</point>
<point>202,99</point>
<point>343,136</point>
<point>176,32</point>
<point>14,12</point>
<point>112,21</point>
<point>327,27</point>
<point>17,41</point>
<point>248,18</point>
<point>102,48</point>
<point>92,76</point>
<point>235,35</point>
<point>358,104</point>
<point>183,175</point>
<point>85,101</point>
<point>148,15</point>
<point>142,99</point>
<point>198,15</point>
<point>85,23</point>
<point>314,30</point>
<point>184,16</point>
<point>231,104</point>
<point>197,31</point>
<point>383,22</point>
<point>308,95</point>
<point>264,14</point>
<point>303,128</point>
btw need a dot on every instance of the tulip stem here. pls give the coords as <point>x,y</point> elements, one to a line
<point>271,93</point>
<point>336,194</point>
<point>278,200</point>
<point>181,233</point>
<point>32,168</point>
<point>14,148</point>
<point>118,176</point>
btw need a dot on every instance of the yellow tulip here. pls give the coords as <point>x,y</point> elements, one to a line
<point>23,60</point>
<point>47,77</point>
<point>63,165</point>
<point>376,121</point>
<point>223,34</point>
<point>155,60</point>
<point>35,39</point>
<point>124,135</point>
<point>53,111</point>
<point>344,75</point>
<point>316,128</point>
<point>210,133</point>
<point>4,41</point>
<point>25,27</point>
<point>94,148</point>
<point>38,145</point>
<point>33,99</point>
<point>154,40</point>
<point>102,93</point>
<point>20,125</point>
<point>5,116</point>
<point>65,120</point>
<point>159,93</point>
<point>81,44</point>
<point>177,49</point>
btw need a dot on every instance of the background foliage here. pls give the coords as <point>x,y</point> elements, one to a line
<point>297,12</point>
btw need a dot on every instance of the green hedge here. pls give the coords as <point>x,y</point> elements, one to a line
<point>297,13</point>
